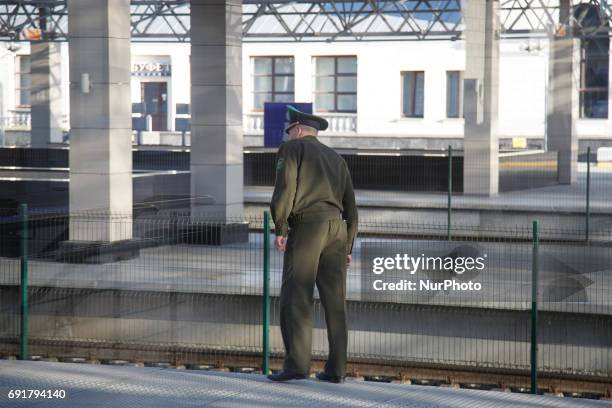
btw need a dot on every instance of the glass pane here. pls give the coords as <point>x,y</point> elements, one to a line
<point>24,64</point>
<point>25,81</point>
<point>452,96</point>
<point>347,84</point>
<point>260,98</point>
<point>324,66</point>
<point>597,47</point>
<point>594,105</point>
<point>283,97</point>
<point>324,102</point>
<point>262,66</point>
<point>419,94</point>
<point>24,97</point>
<point>408,93</point>
<point>263,84</point>
<point>324,84</point>
<point>283,65</point>
<point>347,65</point>
<point>347,103</point>
<point>283,83</point>
<point>596,73</point>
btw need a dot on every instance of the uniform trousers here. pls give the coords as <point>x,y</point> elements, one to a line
<point>315,253</point>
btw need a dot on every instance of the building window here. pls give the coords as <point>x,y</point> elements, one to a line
<point>22,81</point>
<point>594,63</point>
<point>454,94</point>
<point>413,84</point>
<point>335,84</point>
<point>272,80</point>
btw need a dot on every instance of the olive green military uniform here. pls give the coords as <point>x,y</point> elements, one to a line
<point>313,195</point>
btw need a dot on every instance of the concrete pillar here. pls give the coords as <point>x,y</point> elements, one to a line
<point>100,119</point>
<point>481,146</point>
<point>563,100</point>
<point>46,93</point>
<point>216,108</point>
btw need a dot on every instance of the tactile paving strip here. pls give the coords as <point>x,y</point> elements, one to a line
<point>115,386</point>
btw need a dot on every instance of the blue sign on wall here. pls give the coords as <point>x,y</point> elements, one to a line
<point>275,120</point>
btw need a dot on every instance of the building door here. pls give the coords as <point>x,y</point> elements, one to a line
<point>155,98</point>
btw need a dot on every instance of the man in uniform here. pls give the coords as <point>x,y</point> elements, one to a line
<point>313,196</point>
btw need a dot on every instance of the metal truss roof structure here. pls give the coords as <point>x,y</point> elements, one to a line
<point>311,20</point>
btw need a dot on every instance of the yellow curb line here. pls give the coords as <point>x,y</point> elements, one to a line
<point>529,164</point>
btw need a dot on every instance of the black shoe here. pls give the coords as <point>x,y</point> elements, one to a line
<point>286,376</point>
<point>323,376</point>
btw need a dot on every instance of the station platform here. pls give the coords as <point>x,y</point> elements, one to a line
<point>557,198</point>
<point>560,209</point>
<point>95,385</point>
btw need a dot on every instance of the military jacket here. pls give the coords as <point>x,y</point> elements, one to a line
<point>312,181</point>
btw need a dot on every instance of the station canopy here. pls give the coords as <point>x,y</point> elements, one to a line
<point>327,20</point>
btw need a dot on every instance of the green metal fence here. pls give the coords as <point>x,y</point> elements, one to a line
<point>419,182</point>
<point>192,290</point>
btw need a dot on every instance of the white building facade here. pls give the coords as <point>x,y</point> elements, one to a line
<point>376,94</point>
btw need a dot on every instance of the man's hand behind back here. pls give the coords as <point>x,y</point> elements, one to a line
<point>280,243</point>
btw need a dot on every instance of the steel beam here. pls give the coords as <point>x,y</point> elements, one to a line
<point>303,20</point>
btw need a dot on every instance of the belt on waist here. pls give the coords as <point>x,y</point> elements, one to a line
<point>314,217</point>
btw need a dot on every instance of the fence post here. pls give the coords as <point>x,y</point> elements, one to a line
<point>265,366</point>
<point>450,191</point>
<point>588,195</point>
<point>534,308</point>
<point>23,244</point>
